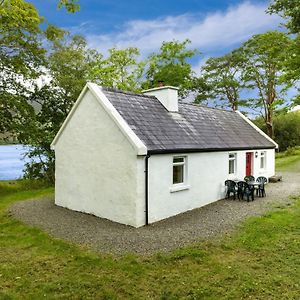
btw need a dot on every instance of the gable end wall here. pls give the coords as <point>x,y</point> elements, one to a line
<point>96,166</point>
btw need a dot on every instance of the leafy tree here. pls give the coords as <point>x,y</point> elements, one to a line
<point>69,65</point>
<point>121,69</point>
<point>170,66</point>
<point>21,56</point>
<point>263,64</point>
<point>288,9</point>
<point>223,82</point>
<point>287,130</point>
<point>70,62</point>
<point>291,72</point>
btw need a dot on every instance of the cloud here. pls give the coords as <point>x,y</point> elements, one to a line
<point>211,33</point>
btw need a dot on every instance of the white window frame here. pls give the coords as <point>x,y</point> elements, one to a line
<point>234,159</point>
<point>263,155</point>
<point>180,185</point>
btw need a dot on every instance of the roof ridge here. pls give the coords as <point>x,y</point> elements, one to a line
<point>109,89</point>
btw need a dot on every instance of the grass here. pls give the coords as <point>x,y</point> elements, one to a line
<point>260,261</point>
<point>288,160</point>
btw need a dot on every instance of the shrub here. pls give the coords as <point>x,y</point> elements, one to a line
<point>287,130</point>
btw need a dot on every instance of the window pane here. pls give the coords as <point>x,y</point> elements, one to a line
<point>231,156</point>
<point>231,167</point>
<point>262,162</point>
<point>178,159</point>
<point>178,174</point>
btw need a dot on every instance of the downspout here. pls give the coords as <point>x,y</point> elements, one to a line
<point>147,189</point>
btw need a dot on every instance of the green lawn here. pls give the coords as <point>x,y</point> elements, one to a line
<point>260,261</point>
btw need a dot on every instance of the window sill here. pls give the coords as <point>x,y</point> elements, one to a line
<point>179,187</point>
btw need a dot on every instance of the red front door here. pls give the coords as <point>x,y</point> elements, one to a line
<point>248,163</point>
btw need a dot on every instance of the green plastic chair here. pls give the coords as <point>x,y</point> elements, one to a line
<point>261,188</point>
<point>249,178</point>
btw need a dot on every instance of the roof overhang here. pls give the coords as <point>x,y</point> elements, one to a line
<point>194,150</point>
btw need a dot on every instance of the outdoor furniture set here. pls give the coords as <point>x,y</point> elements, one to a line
<point>246,188</point>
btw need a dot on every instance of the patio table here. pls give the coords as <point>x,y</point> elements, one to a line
<point>254,183</point>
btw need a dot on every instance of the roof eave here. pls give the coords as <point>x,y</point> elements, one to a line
<point>193,150</point>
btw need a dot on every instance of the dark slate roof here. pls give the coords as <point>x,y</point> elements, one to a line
<point>193,128</point>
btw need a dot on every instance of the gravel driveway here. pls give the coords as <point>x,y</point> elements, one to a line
<point>210,221</point>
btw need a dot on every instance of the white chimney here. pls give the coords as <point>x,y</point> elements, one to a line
<point>167,96</point>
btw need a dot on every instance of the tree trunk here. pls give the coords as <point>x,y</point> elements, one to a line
<point>271,95</point>
<point>269,123</point>
<point>234,106</point>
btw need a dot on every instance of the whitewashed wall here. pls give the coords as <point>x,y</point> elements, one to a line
<point>98,172</point>
<point>270,164</point>
<point>96,167</point>
<point>206,173</point>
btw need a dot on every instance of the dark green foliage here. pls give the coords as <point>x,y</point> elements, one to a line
<point>286,129</point>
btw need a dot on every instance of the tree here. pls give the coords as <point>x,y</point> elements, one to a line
<point>263,64</point>
<point>70,62</point>
<point>291,71</point>
<point>223,82</point>
<point>121,69</point>
<point>69,65</point>
<point>170,66</point>
<point>21,56</point>
<point>288,9</point>
<point>286,128</point>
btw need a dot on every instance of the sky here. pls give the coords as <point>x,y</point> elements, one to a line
<point>215,27</point>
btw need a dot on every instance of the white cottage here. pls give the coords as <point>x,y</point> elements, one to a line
<point>140,158</point>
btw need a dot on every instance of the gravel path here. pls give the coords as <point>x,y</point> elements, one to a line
<point>210,221</point>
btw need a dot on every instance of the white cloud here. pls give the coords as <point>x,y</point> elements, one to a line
<point>210,33</point>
